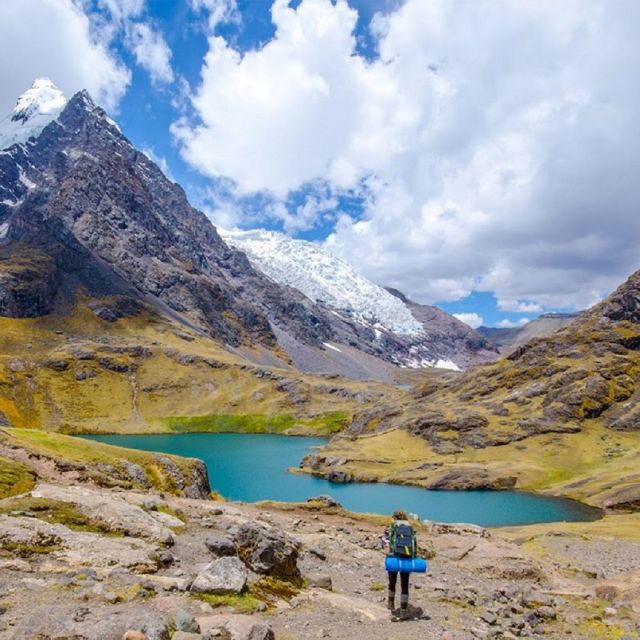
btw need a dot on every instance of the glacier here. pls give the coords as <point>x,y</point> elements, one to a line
<point>324,278</point>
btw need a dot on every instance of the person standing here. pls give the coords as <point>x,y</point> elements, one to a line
<point>399,541</point>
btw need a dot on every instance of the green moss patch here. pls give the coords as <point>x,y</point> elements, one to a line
<point>242,602</point>
<point>15,478</point>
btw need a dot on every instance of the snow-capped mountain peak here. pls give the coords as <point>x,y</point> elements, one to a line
<point>35,109</point>
<point>324,278</point>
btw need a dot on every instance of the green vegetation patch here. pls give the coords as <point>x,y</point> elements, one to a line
<point>269,589</point>
<point>23,550</point>
<point>243,602</point>
<point>59,512</point>
<point>322,424</point>
<point>265,591</point>
<point>15,478</point>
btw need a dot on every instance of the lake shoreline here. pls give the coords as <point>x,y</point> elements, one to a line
<point>522,507</point>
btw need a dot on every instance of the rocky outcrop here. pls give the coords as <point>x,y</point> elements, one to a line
<point>67,550</point>
<point>118,514</point>
<point>471,479</point>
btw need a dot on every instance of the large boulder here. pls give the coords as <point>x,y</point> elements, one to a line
<point>268,551</point>
<point>222,576</point>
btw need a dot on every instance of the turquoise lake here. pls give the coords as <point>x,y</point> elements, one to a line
<point>249,468</point>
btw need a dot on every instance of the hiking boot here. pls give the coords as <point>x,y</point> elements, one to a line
<point>404,614</point>
<point>391,603</point>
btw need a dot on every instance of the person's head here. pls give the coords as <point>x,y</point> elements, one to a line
<point>400,515</point>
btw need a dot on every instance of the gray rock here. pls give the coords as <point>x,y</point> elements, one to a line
<point>326,500</point>
<point>224,575</point>
<point>320,582</point>
<point>184,635</point>
<point>85,374</point>
<point>136,473</point>
<point>184,621</point>
<point>235,627</point>
<point>267,551</point>
<point>488,617</point>
<point>220,546</point>
<point>113,510</point>
<point>156,629</point>
<point>546,613</point>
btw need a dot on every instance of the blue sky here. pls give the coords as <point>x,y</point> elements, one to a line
<point>482,156</point>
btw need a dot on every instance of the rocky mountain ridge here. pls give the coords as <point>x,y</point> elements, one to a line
<point>509,339</point>
<point>81,207</point>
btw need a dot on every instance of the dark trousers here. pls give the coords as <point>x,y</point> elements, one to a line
<point>404,584</point>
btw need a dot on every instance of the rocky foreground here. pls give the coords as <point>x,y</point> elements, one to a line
<point>83,562</point>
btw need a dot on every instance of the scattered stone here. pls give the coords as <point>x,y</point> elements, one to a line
<point>183,635</point>
<point>134,635</point>
<point>488,617</point>
<point>156,630</point>
<point>85,374</point>
<point>166,583</point>
<point>318,553</point>
<point>237,627</point>
<point>546,613</point>
<point>184,621</point>
<point>222,576</point>
<point>320,582</point>
<point>220,546</point>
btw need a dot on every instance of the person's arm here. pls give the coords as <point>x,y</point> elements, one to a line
<point>384,541</point>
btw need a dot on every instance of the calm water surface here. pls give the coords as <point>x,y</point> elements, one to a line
<point>248,468</point>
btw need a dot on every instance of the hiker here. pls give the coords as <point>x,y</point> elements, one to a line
<point>399,541</point>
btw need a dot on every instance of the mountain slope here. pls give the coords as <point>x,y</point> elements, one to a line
<point>561,413</point>
<point>412,335</point>
<point>510,339</point>
<point>122,309</point>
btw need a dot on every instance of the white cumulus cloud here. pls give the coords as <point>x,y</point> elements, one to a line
<point>219,11</point>
<point>495,142</point>
<point>474,320</point>
<point>510,324</point>
<point>53,39</point>
<point>151,51</point>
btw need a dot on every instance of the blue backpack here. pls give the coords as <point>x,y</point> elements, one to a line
<point>402,541</point>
